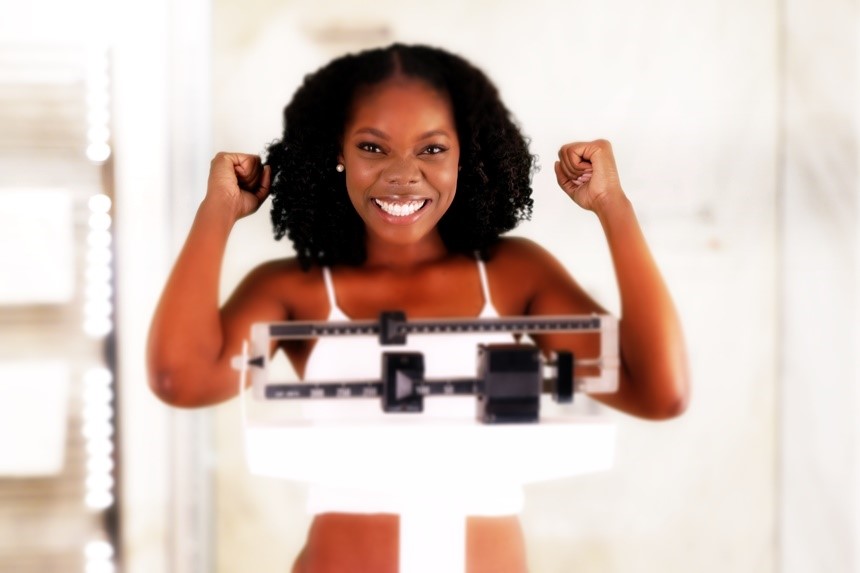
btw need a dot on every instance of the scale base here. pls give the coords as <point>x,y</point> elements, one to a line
<point>441,456</point>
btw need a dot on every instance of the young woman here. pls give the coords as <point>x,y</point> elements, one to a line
<point>398,171</point>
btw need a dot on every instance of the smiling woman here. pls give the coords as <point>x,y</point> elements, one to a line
<point>493,183</point>
<point>401,166</point>
<point>396,167</point>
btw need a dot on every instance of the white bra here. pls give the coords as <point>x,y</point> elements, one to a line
<point>358,357</point>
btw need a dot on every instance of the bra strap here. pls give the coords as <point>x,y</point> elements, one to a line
<point>485,286</point>
<point>329,287</point>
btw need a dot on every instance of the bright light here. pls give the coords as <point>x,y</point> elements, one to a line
<point>97,448</point>
<point>99,483</point>
<point>101,309</point>
<point>98,117</point>
<point>96,394</point>
<point>99,274</point>
<point>96,411</point>
<point>100,567</point>
<point>98,152</point>
<point>99,291</point>
<point>98,134</point>
<point>98,376</point>
<point>99,222</point>
<point>98,551</point>
<point>101,256</point>
<point>98,105</point>
<point>97,98</point>
<point>95,429</point>
<point>99,500</point>
<point>98,429</point>
<point>98,307</point>
<point>97,327</point>
<point>100,203</point>
<point>99,555</point>
<point>99,239</point>
<point>100,466</point>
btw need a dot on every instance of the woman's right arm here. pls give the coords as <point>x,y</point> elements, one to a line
<point>190,340</point>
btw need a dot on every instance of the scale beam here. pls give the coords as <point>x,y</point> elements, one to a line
<point>508,383</point>
<point>392,327</point>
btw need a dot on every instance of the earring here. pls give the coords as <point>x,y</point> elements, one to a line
<point>339,168</point>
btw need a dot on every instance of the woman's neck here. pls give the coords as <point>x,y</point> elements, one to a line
<point>381,254</point>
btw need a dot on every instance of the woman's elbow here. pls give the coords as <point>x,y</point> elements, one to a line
<point>180,390</point>
<point>671,407</point>
<point>165,387</point>
<point>674,399</point>
<point>182,381</point>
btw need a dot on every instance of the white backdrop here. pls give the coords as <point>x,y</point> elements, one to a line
<point>702,102</point>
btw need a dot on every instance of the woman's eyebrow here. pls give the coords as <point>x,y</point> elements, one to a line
<point>434,132</point>
<point>372,131</point>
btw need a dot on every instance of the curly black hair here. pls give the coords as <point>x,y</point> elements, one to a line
<point>309,200</point>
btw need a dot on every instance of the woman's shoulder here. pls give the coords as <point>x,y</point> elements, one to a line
<point>285,269</point>
<point>520,253</point>
<point>519,269</point>
<point>284,278</point>
<point>535,281</point>
<point>286,284</point>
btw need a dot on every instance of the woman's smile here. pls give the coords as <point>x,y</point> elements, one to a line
<point>401,210</point>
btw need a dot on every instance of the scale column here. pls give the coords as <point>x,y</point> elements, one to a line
<point>432,540</point>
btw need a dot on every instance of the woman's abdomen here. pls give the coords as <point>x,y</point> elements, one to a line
<point>359,543</point>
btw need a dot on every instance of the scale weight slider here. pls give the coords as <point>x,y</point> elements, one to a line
<point>392,327</point>
<point>563,384</point>
<point>402,376</point>
<point>511,383</point>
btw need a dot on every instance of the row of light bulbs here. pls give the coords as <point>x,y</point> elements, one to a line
<point>98,396</point>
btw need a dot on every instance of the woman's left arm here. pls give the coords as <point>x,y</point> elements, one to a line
<point>654,378</point>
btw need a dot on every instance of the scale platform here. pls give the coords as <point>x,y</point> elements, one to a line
<point>424,452</point>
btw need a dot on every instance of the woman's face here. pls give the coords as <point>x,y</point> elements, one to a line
<point>401,154</point>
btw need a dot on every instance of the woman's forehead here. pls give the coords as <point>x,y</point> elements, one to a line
<point>400,98</point>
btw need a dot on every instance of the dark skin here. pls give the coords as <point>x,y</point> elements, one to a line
<point>400,152</point>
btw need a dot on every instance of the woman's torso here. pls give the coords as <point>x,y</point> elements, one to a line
<point>363,535</point>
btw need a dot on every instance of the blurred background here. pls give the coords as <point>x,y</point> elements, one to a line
<point>735,125</point>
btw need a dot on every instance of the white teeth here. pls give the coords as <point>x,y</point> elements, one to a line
<point>400,209</point>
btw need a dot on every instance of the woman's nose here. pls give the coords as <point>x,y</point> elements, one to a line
<point>402,171</point>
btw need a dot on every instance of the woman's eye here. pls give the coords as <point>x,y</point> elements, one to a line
<point>371,147</point>
<point>433,149</point>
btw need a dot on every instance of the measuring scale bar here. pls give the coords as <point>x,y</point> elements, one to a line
<point>392,330</point>
<point>393,326</point>
<point>373,389</point>
<point>369,389</point>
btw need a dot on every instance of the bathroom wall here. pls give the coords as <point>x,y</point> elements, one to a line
<point>819,403</point>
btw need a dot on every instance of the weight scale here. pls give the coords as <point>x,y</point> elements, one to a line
<point>506,442</point>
